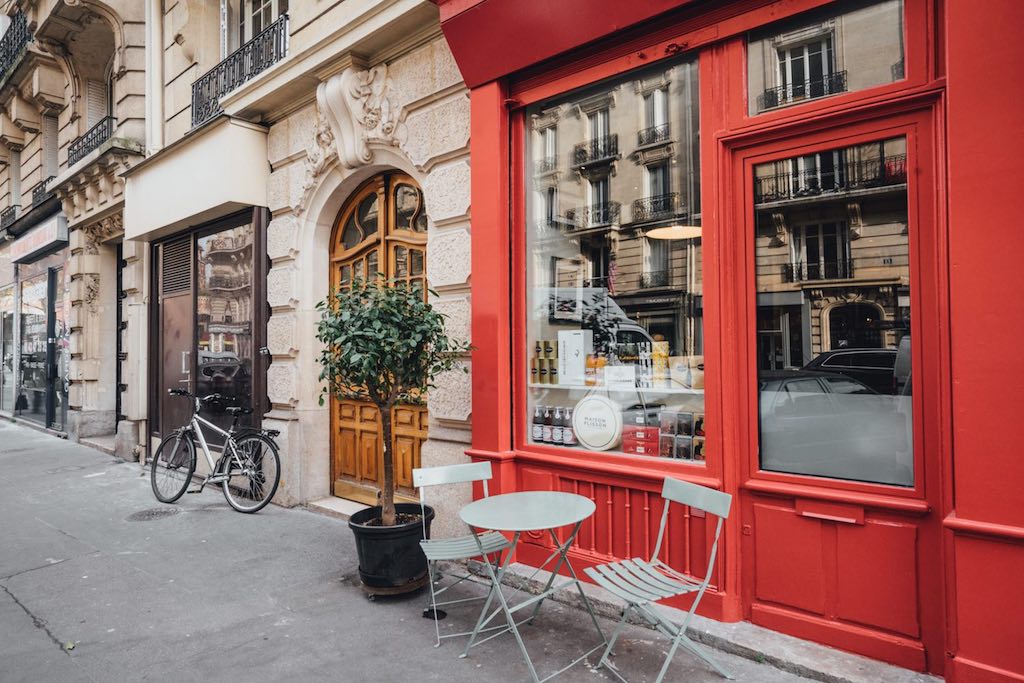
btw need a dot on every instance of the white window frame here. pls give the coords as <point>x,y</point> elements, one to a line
<point>656,108</point>
<point>660,169</point>
<point>784,69</point>
<point>798,249</point>
<point>600,124</point>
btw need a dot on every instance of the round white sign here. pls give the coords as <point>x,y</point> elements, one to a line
<point>597,421</point>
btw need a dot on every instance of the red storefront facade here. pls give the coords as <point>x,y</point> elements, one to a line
<point>838,207</point>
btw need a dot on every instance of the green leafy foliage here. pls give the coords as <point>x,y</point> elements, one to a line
<point>384,344</point>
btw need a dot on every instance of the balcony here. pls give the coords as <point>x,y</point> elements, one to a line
<point>266,49</point>
<point>652,136</point>
<point>93,138</point>
<point>13,44</point>
<point>828,270</point>
<point>798,92</point>
<point>594,216</point>
<point>545,165</point>
<point>653,208</point>
<point>858,175</point>
<point>229,281</point>
<point>8,216</point>
<point>40,194</point>
<point>597,150</point>
<point>654,278</point>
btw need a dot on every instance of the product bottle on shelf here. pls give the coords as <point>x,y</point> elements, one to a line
<point>590,368</point>
<point>548,426</point>
<point>557,422</point>
<point>537,428</point>
<point>568,433</point>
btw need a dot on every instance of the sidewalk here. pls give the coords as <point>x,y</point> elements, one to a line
<point>100,582</point>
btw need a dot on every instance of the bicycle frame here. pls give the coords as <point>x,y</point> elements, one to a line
<point>195,426</point>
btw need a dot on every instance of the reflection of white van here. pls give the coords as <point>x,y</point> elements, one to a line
<point>901,369</point>
<point>631,333</point>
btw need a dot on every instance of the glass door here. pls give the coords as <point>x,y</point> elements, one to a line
<point>31,401</point>
<point>7,349</point>
<point>58,351</point>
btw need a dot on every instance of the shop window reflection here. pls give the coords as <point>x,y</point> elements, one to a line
<point>615,297</point>
<point>224,319</point>
<point>832,253</point>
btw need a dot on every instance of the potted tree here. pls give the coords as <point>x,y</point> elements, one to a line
<point>384,344</point>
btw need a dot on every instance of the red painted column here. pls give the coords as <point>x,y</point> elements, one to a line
<point>985,59</point>
<point>491,258</point>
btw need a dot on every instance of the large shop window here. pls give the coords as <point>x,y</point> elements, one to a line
<point>615,347</point>
<point>824,53</point>
<point>833,314</point>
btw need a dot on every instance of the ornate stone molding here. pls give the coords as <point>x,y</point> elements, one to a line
<point>360,106</point>
<point>102,230</point>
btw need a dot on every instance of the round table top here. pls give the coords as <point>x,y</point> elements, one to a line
<point>527,511</point>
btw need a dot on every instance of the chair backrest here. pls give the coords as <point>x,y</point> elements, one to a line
<point>451,474</point>
<point>696,496</point>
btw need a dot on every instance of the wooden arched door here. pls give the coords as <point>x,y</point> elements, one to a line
<point>380,232</point>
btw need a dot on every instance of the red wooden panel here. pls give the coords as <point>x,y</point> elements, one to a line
<point>990,603</point>
<point>788,566</point>
<point>877,576</point>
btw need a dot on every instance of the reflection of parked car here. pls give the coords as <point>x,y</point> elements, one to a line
<point>873,367</point>
<point>832,425</point>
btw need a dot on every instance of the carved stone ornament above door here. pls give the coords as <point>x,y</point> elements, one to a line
<point>360,107</point>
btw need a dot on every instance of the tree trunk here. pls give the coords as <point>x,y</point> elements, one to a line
<point>387,495</point>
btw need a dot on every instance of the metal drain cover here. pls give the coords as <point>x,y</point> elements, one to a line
<point>151,514</point>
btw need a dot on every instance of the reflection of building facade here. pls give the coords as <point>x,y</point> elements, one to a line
<point>608,167</point>
<point>832,252</point>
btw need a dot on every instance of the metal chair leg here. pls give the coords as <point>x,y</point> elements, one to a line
<point>432,605</point>
<point>615,636</point>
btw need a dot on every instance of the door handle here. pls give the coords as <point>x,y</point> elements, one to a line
<point>185,369</point>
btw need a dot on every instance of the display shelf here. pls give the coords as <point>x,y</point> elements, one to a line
<point>619,390</point>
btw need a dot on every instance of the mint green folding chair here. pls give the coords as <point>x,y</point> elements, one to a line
<point>641,583</point>
<point>492,543</point>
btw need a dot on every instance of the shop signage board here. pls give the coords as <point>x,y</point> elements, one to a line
<point>49,234</point>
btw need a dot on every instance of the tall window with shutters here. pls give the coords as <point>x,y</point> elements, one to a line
<point>49,146</point>
<point>97,101</point>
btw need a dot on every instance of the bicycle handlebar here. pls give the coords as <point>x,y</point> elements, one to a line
<point>201,399</point>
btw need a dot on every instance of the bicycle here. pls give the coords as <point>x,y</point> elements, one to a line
<point>249,468</point>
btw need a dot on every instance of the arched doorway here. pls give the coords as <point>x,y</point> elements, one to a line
<point>855,326</point>
<point>381,229</point>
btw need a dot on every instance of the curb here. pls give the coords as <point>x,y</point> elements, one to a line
<point>743,639</point>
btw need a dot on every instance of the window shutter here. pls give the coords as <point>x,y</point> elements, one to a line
<point>176,267</point>
<point>49,146</point>
<point>95,102</point>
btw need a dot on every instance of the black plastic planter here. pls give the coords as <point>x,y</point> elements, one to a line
<point>390,558</point>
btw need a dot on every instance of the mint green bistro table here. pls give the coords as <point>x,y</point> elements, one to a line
<point>521,512</point>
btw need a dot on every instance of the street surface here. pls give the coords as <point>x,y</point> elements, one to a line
<point>100,582</point>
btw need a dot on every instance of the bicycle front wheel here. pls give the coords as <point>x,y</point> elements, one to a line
<point>172,467</point>
<point>253,473</point>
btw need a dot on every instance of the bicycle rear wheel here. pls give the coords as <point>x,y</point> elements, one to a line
<point>172,467</point>
<point>252,476</point>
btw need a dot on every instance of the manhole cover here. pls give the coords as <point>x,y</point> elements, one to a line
<point>151,514</point>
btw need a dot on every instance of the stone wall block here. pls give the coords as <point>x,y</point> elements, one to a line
<point>132,249</point>
<point>282,236</point>
<point>451,399</point>
<point>281,334</point>
<point>279,189</point>
<point>457,313</point>
<point>446,191</point>
<point>281,286</point>
<point>438,130</point>
<point>424,72</point>
<point>301,129</point>
<point>281,383</point>
<point>448,257</point>
<point>277,142</point>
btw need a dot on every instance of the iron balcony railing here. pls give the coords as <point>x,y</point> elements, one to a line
<point>599,149</point>
<point>652,135</point>
<point>229,281</point>
<point>265,49</point>
<point>804,90</point>
<point>854,175</point>
<point>593,216</point>
<point>829,270</point>
<point>39,192</point>
<point>545,165</point>
<point>660,206</point>
<point>12,45</point>
<point>93,138</point>
<point>8,216</point>
<point>654,278</point>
